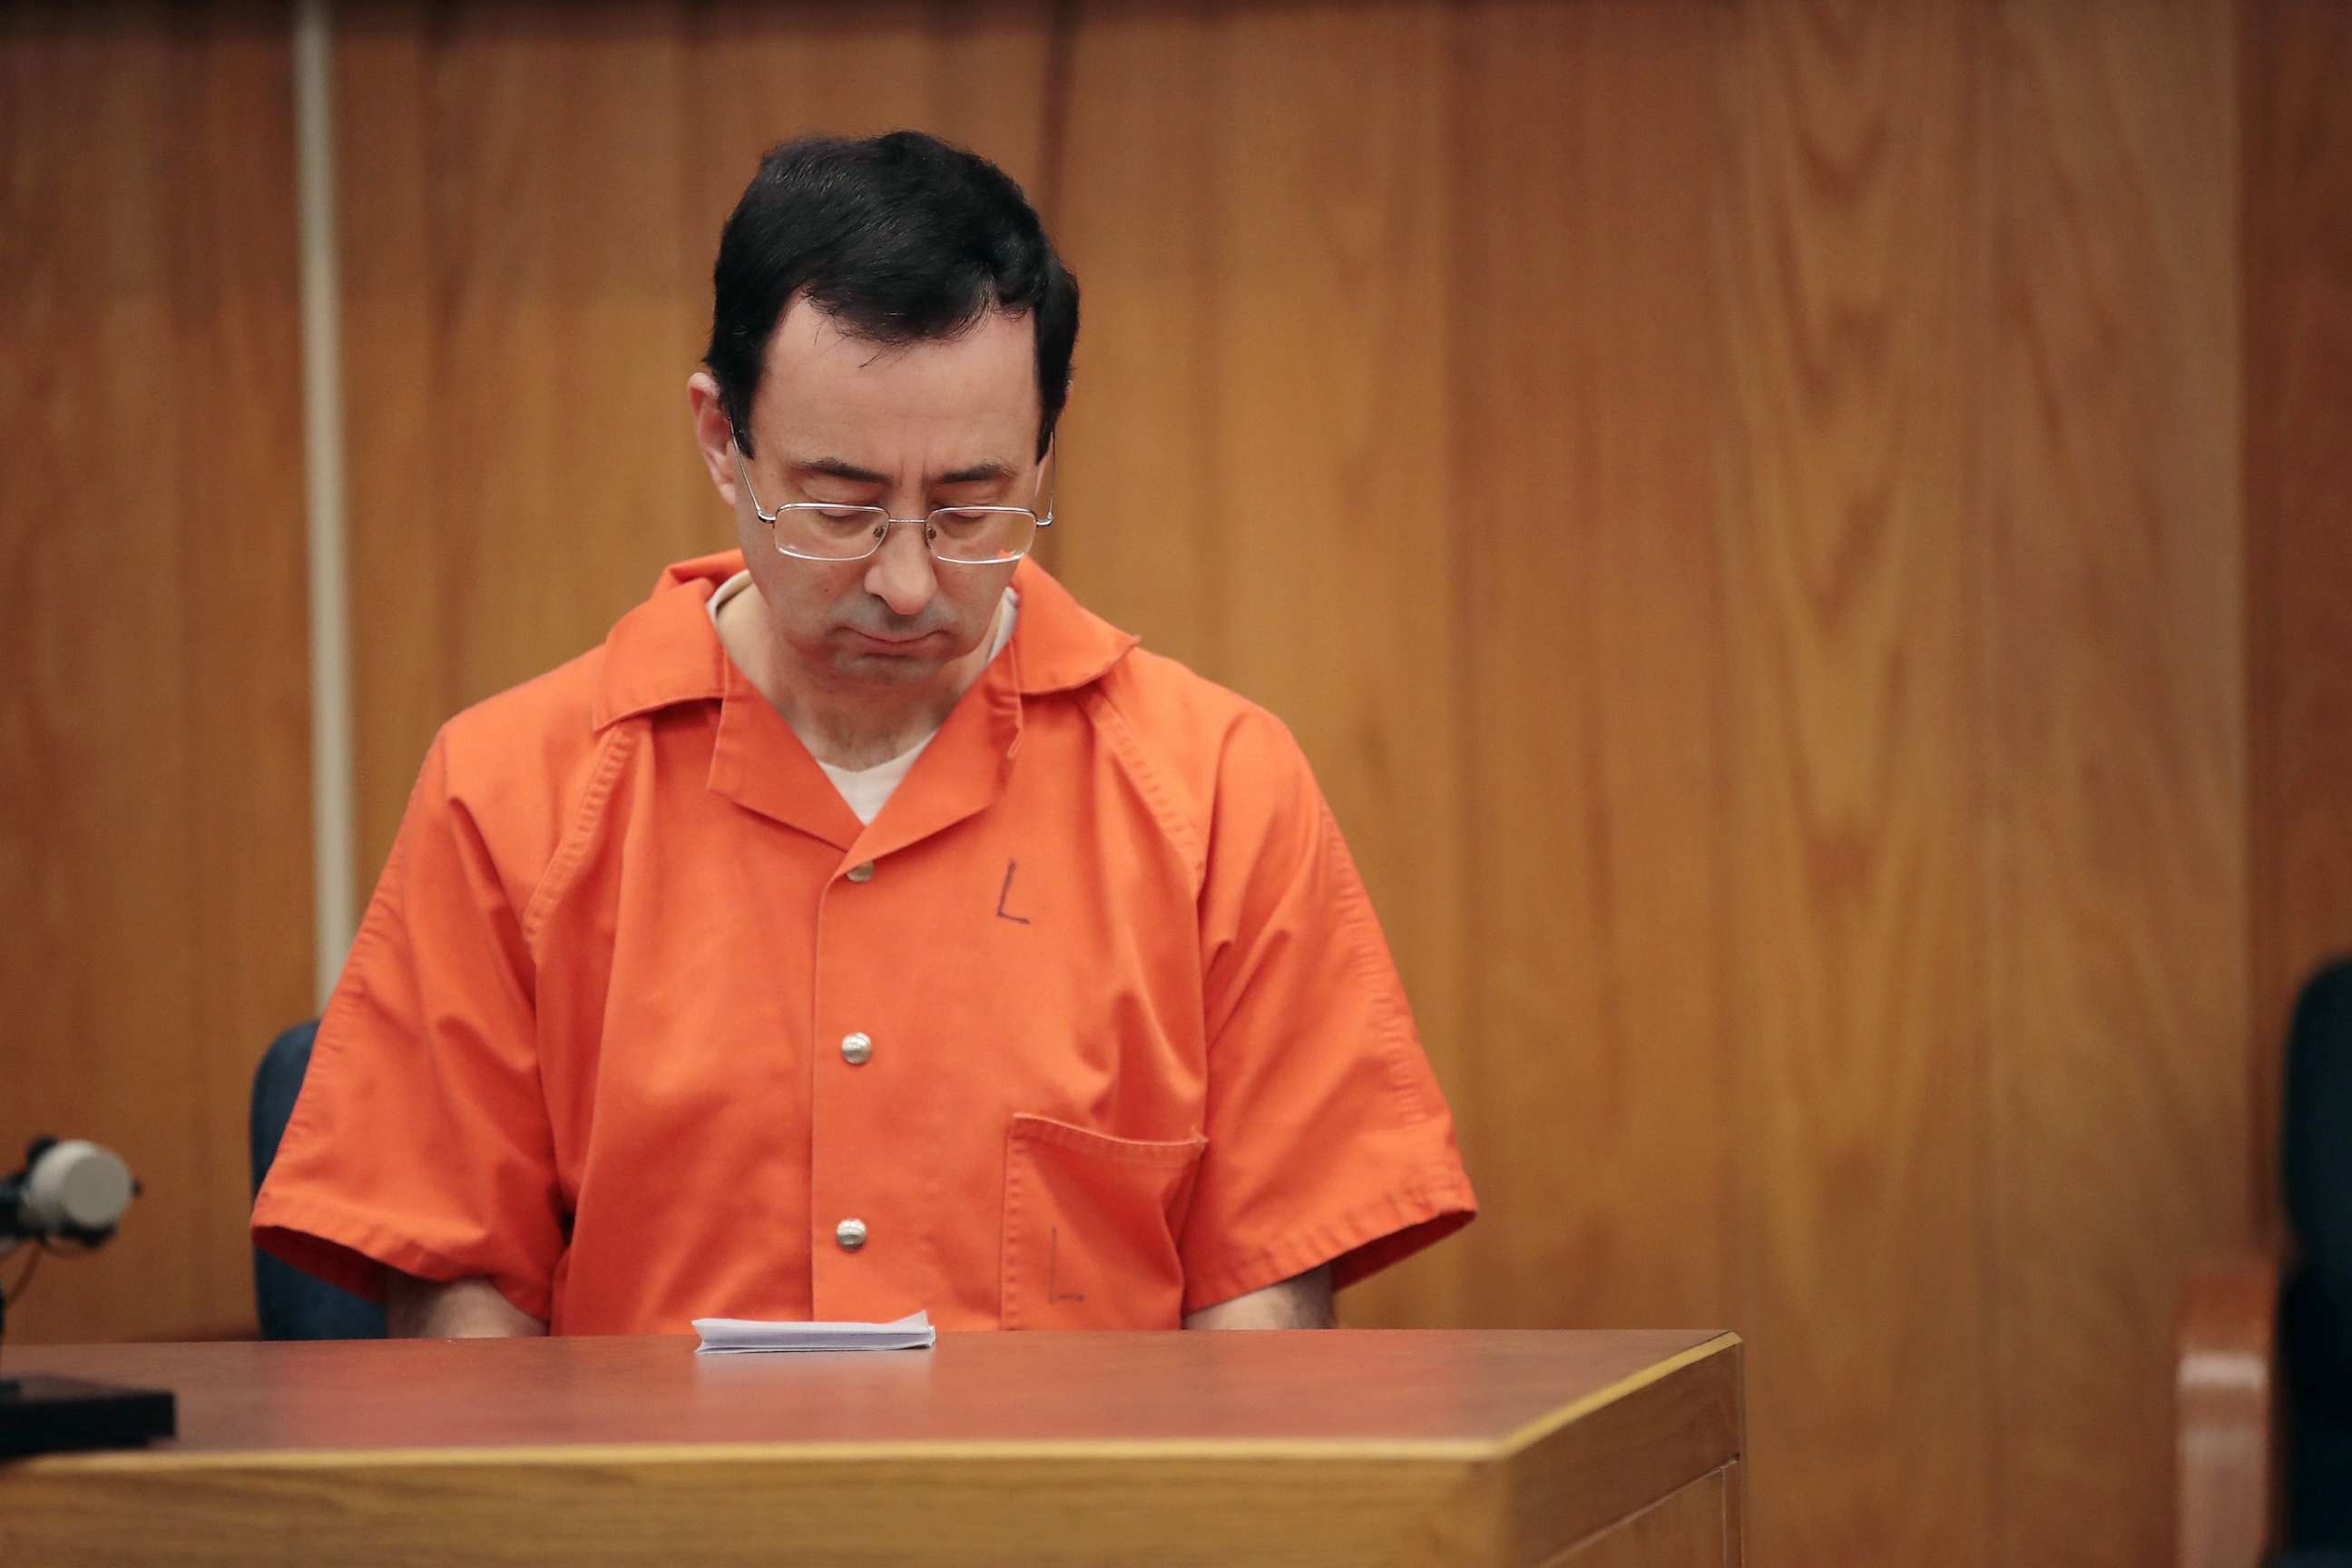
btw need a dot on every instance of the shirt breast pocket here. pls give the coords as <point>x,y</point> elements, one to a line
<point>1090,1228</point>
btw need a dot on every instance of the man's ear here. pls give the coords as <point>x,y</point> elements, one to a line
<point>714,433</point>
<point>1046,463</point>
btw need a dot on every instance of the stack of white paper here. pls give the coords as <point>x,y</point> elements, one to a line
<point>735,1336</point>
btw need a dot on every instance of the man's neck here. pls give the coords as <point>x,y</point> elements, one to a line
<point>844,724</point>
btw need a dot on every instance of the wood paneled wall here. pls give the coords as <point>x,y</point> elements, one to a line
<point>154,713</point>
<point>1806,542</point>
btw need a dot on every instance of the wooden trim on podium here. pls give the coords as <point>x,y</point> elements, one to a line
<point>1643,1469</point>
<point>1564,1481</point>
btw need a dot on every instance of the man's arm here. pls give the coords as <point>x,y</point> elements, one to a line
<point>417,1309</point>
<point>1303,1302</point>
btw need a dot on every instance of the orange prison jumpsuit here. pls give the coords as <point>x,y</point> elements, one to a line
<point>1092,1027</point>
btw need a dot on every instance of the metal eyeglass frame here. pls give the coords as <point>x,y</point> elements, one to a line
<point>888,522</point>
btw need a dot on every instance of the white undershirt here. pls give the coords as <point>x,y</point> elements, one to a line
<point>868,789</point>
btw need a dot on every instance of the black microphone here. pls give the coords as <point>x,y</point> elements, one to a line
<point>69,1191</point>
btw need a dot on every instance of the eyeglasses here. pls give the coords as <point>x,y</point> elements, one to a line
<point>958,535</point>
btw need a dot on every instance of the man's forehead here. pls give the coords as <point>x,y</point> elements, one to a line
<point>807,332</point>
<point>829,393</point>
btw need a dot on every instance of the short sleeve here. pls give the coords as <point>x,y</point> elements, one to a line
<point>1328,1141</point>
<point>420,1140</point>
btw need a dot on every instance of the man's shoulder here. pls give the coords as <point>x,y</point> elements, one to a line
<point>546,725</point>
<point>1164,697</point>
<point>1200,736</point>
<point>1171,720</point>
<point>660,653</point>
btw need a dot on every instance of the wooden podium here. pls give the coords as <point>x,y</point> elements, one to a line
<point>1423,1448</point>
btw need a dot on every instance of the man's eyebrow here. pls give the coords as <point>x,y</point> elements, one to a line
<point>992,468</point>
<point>973,473</point>
<point>838,468</point>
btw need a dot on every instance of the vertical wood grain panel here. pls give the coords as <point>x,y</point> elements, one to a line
<point>1587,372</point>
<point>973,73</point>
<point>1257,472</point>
<point>2120,1028</point>
<point>2298,288</point>
<point>534,199</point>
<point>154,768</point>
<point>1146,525</point>
<point>1856,302</point>
<point>1333,463</point>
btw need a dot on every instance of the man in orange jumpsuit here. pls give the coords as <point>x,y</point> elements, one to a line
<point>865,926</point>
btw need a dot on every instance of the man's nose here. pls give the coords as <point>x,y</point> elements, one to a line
<point>903,574</point>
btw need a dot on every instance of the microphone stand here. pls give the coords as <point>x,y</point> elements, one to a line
<point>8,1385</point>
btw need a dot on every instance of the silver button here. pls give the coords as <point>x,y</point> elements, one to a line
<point>856,1049</point>
<point>862,872</point>
<point>851,1234</point>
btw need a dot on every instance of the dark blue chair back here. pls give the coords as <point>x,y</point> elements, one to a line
<point>2315,1308</point>
<point>295,1305</point>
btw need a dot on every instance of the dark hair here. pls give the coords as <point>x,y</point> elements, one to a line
<point>900,239</point>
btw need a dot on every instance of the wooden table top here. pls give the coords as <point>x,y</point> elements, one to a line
<point>1462,1393</point>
